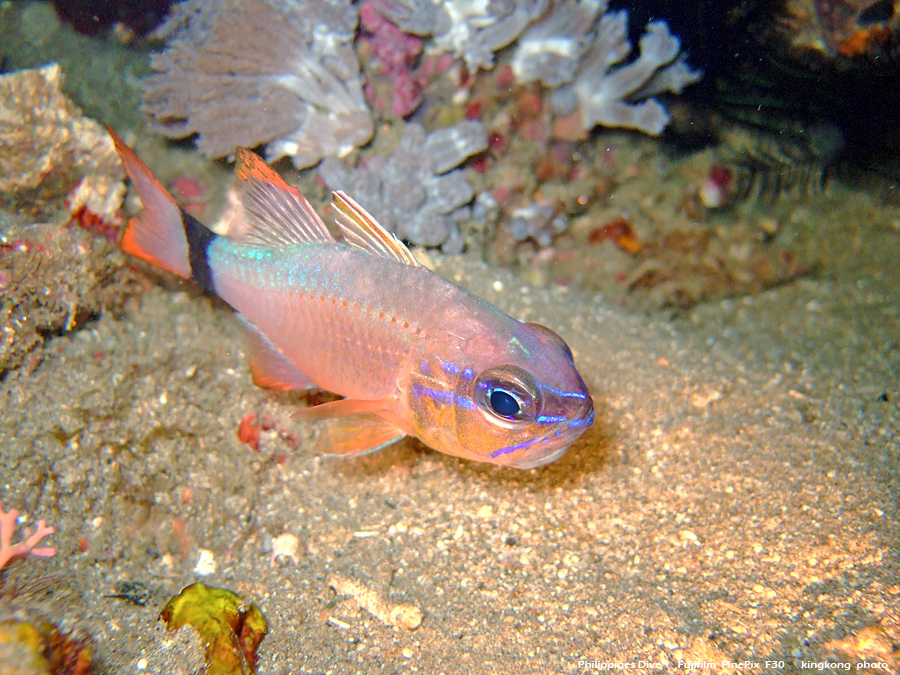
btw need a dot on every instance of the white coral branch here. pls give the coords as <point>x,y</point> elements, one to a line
<point>608,95</point>
<point>28,546</point>
<point>581,50</point>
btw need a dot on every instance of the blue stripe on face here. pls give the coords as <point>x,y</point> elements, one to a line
<point>574,424</point>
<point>586,421</point>
<point>566,394</point>
<point>464,402</point>
<point>511,448</point>
<point>434,394</point>
<point>550,419</point>
<point>449,367</point>
<point>443,396</point>
<point>468,374</point>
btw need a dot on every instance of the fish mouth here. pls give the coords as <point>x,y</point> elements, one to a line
<point>575,428</point>
<point>535,462</point>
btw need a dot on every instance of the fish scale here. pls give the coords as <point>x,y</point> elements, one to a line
<point>313,304</point>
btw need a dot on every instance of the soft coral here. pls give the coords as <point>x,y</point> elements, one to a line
<point>27,546</point>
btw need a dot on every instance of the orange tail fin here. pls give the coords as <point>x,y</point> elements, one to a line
<point>157,234</point>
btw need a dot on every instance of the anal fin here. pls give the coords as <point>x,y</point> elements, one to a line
<point>351,427</point>
<point>271,368</point>
<point>356,435</point>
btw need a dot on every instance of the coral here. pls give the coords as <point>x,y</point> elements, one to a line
<point>250,72</point>
<point>27,546</point>
<point>538,222</point>
<point>55,167</point>
<point>51,156</point>
<point>471,30</point>
<point>414,193</point>
<point>550,49</point>
<point>395,53</point>
<point>573,46</point>
<point>606,95</point>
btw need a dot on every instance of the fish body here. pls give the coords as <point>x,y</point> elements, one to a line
<point>411,353</point>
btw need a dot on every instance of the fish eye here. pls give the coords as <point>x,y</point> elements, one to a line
<point>508,394</point>
<point>504,404</point>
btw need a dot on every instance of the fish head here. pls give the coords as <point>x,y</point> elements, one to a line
<point>516,402</point>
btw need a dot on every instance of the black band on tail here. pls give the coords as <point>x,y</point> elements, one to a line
<point>199,237</point>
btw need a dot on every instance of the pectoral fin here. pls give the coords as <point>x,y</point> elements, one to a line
<point>350,427</point>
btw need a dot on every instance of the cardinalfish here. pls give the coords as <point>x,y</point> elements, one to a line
<point>410,353</point>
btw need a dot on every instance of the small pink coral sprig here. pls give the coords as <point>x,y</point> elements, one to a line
<point>28,546</point>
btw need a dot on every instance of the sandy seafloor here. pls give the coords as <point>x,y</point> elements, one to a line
<point>736,500</point>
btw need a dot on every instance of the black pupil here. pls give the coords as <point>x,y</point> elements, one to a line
<point>504,404</point>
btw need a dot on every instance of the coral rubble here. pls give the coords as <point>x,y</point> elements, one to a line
<point>57,168</point>
<point>415,193</point>
<point>53,279</point>
<point>275,72</point>
<point>49,153</point>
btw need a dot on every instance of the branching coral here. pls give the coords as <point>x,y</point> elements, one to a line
<point>578,48</point>
<point>28,546</point>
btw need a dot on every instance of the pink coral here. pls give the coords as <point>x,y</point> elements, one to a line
<point>396,53</point>
<point>8,551</point>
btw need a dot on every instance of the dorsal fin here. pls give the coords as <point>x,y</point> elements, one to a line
<point>272,213</point>
<point>363,231</point>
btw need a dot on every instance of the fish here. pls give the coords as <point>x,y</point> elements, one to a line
<point>411,353</point>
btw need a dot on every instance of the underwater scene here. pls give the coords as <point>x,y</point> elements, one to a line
<point>441,336</point>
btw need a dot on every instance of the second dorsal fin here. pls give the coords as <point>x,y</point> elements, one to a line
<point>363,231</point>
<point>272,213</point>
